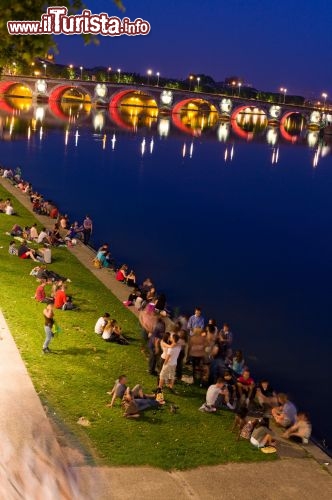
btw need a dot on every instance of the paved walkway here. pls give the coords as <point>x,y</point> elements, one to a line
<point>36,462</point>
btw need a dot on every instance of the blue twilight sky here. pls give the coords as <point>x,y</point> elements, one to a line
<point>270,43</point>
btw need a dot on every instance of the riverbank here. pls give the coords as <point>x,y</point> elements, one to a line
<point>282,476</point>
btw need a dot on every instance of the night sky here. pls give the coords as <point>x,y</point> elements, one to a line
<point>269,43</point>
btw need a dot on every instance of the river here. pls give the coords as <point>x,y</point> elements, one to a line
<point>239,227</point>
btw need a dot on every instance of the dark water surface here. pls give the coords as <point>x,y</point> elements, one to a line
<point>247,240</point>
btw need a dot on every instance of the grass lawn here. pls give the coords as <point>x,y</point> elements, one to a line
<point>73,380</point>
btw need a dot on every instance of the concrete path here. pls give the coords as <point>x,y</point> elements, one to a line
<point>36,462</point>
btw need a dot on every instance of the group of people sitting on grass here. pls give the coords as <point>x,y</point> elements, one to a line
<point>207,352</point>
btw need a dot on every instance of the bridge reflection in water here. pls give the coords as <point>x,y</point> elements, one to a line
<point>135,111</point>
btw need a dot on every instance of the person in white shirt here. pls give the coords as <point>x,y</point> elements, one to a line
<point>101,323</point>
<point>33,232</point>
<point>167,374</point>
<point>9,210</point>
<point>43,236</point>
<point>216,395</point>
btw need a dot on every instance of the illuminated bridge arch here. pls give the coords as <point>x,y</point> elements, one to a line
<point>15,96</point>
<point>284,122</point>
<point>132,97</point>
<point>17,89</point>
<point>70,92</point>
<point>130,108</point>
<point>196,104</point>
<point>250,111</point>
<point>196,110</point>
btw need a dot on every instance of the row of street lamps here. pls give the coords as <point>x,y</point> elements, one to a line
<point>149,72</point>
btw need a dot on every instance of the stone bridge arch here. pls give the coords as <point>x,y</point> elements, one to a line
<point>6,85</point>
<point>262,111</point>
<point>120,94</point>
<point>130,101</point>
<point>193,105</point>
<point>56,93</point>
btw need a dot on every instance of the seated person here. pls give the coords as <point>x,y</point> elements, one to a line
<point>265,395</point>
<point>55,237</point>
<point>230,381</point>
<point>9,209</point>
<point>68,305</point>
<point>46,254</point>
<point>301,430</point>
<point>12,250</point>
<point>16,230</point>
<point>60,298</point>
<point>119,389</point>
<point>40,294</point>
<point>146,287</point>
<point>121,274</point>
<point>24,252</point>
<point>131,278</point>
<point>285,413</point>
<point>112,333</point>
<point>33,232</point>
<point>132,297</point>
<point>217,394</point>
<point>238,362</point>
<point>101,323</point>
<point>245,386</point>
<point>161,302</point>
<point>102,257</point>
<point>116,335</point>
<point>151,295</point>
<point>71,234</point>
<point>261,436</point>
<point>43,236</point>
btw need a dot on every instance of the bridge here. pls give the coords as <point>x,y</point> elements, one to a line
<point>173,101</point>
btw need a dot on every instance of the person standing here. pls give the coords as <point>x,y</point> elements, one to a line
<point>49,322</point>
<point>87,229</point>
<point>196,321</point>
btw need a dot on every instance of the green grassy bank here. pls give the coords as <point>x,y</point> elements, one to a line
<point>73,380</point>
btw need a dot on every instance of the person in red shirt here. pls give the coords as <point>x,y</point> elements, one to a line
<point>60,298</point>
<point>40,294</point>
<point>245,386</point>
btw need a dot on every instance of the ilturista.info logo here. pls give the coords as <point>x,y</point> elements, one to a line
<point>57,22</point>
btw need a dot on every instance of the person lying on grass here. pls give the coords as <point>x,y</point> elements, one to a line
<point>261,435</point>
<point>135,402</point>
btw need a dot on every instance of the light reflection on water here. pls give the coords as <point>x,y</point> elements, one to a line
<point>241,228</point>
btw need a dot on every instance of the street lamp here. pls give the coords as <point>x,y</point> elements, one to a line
<point>45,66</point>
<point>109,69</point>
<point>190,81</point>
<point>81,68</point>
<point>283,90</point>
<point>149,72</point>
<point>198,80</point>
<point>324,96</point>
<point>119,74</point>
<point>239,85</point>
<point>158,76</point>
